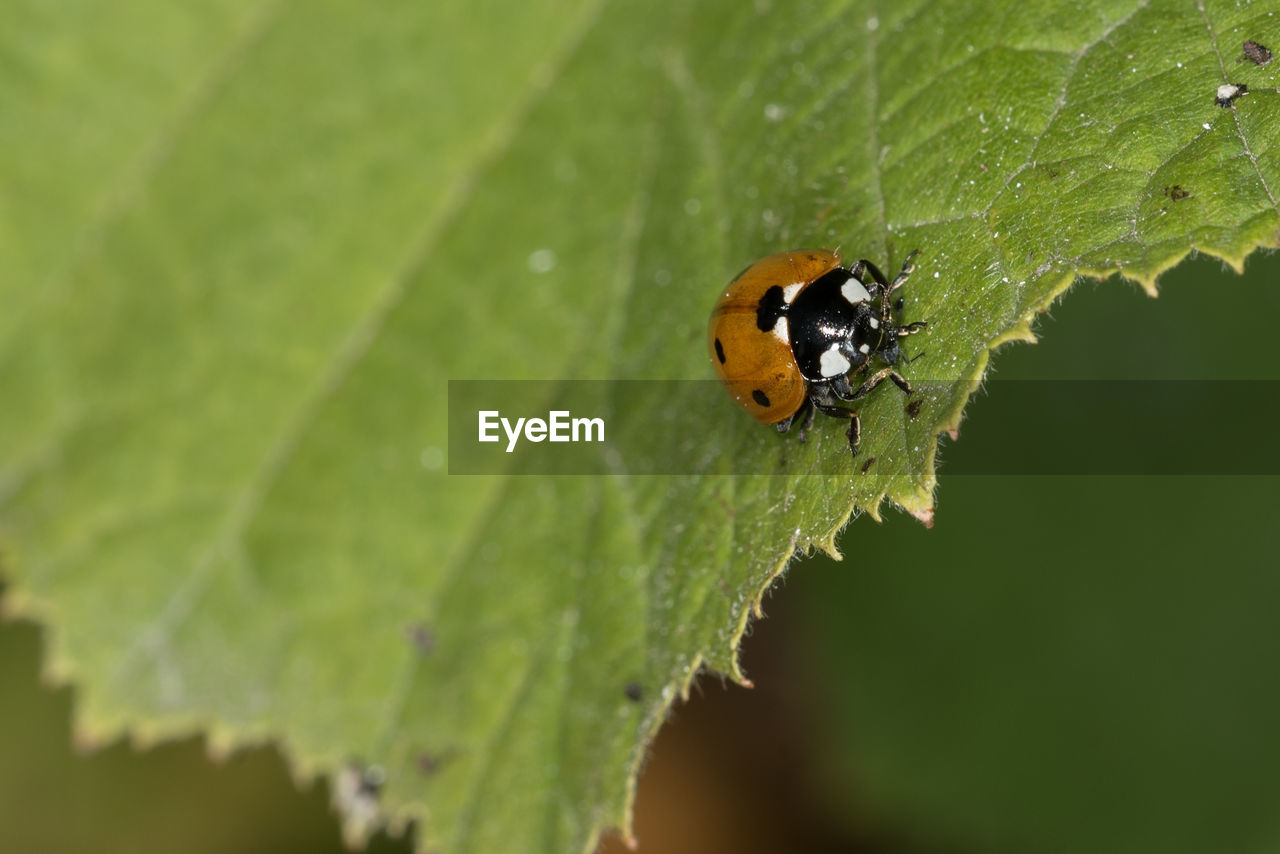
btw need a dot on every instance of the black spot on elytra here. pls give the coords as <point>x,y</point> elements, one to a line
<point>772,306</point>
<point>719,351</point>
<point>634,692</point>
<point>760,397</point>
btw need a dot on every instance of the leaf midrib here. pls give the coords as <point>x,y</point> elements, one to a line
<point>331,376</point>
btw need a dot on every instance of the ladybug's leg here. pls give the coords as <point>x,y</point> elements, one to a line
<point>804,415</point>
<point>877,378</point>
<point>785,424</point>
<point>911,328</point>
<point>841,387</point>
<point>865,266</point>
<point>824,397</point>
<point>854,433</point>
<point>855,425</point>
<point>803,435</point>
<point>886,307</point>
<point>908,267</point>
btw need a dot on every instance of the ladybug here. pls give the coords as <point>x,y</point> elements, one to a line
<point>791,330</point>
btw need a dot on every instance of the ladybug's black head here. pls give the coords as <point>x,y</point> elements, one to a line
<point>870,336</point>
<point>889,349</point>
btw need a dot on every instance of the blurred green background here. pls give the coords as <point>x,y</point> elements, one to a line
<point>1061,664</point>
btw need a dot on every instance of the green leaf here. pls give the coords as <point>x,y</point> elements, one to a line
<point>245,245</point>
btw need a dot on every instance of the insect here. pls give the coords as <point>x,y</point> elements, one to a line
<point>1229,92</point>
<point>1257,53</point>
<point>790,331</point>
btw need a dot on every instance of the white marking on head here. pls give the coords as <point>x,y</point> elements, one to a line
<point>790,291</point>
<point>875,324</point>
<point>781,330</point>
<point>864,349</point>
<point>833,363</point>
<point>854,292</point>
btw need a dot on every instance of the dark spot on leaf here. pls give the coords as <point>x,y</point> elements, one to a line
<point>719,351</point>
<point>1176,193</point>
<point>429,763</point>
<point>867,464</point>
<point>760,397</point>
<point>1258,54</point>
<point>634,692</point>
<point>913,407</point>
<point>422,638</point>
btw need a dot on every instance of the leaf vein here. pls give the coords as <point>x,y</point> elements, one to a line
<point>1072,69</point>
<point>1217,51</point>
<point>349,353</point>
<point>138,170</point>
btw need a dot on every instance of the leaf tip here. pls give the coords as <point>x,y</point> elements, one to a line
<point>219,743</point>
<point>11,605</point>
<point>1020,331</point>
<point>355,800</point>
<point>85,742</point>
<point>923,514</point>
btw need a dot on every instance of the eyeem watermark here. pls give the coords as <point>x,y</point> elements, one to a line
<point>691,427</point>
<point>558,426</point>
